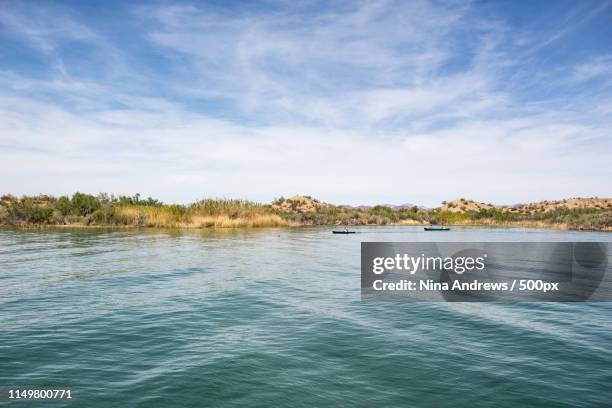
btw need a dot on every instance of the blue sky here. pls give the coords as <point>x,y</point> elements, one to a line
<point>351,102</point>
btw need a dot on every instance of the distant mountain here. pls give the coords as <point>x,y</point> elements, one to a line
<point>409,206</point>
<point>355,207</point>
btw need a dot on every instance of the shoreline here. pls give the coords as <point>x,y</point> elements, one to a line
<point>522,224</point>
<point>109,211</point>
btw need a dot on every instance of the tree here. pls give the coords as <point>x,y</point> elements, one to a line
<point>84,204</point>
<point>64,206</point>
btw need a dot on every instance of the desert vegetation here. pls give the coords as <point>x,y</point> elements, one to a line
<point>133,211</point>
<point>104,210</point>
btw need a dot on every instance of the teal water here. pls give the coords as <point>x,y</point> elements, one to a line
<point>274,318</point>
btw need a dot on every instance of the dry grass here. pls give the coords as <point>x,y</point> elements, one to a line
<point>148,216</point>
<point>514,224</point>
<point>204,214</point>
<point>224,221</point>
<point>411,222</point>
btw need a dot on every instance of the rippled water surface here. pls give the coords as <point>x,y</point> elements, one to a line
<point>273,317</point>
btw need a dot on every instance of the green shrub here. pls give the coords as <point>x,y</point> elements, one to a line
<point>151,202</point>
<point>25,210</point>
<point>381,211</point>
<point>493,213</point>
<point>84,204</point>
<point>107,215</point>
<point>4,214</point>
<point>63,205</point>
<point>135,200</point>
<point>8,198</point>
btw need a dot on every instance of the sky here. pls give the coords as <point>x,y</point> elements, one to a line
<point>350,102</point>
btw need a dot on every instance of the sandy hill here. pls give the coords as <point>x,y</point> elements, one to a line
<point>462,205</point>
<point>298,203</point>
<point>571,203</point>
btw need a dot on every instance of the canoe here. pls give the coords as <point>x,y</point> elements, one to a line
<point>343,232</point>
<point>437,228</point>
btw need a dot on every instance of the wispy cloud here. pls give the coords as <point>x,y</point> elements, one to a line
<point>44,27</point>
<point>360,102</point>
<point>597,68</point>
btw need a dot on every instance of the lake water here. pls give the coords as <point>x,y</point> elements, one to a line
<point>274,317</point>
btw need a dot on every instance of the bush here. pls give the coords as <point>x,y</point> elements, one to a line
<point>410,214</point>
<point>382,211</point>
<point>8,198</point>
<point>63,205</point>
<point>493,213</point>
<point>135,200</point>
<point>278,201</point>
<point>150,202</point>
<point>4,214</point>
<point>84,204</point>
<point>26,211</point>
<point>107,215</point>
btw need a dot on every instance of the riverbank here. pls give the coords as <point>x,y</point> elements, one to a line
<point>84,210</point>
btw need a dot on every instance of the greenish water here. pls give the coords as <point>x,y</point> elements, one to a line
<point>274,318</point>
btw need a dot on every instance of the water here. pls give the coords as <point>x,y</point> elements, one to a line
<point>273,317</point>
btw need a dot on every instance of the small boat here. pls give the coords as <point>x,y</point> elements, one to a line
<point>342,232</point>
<point>437,228</point>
